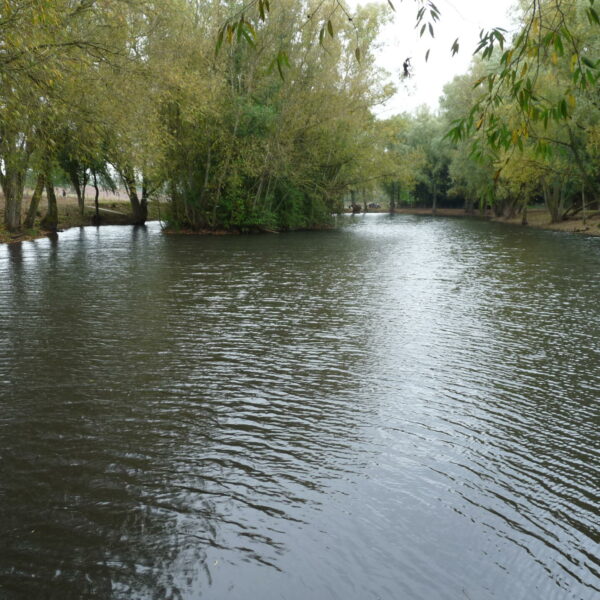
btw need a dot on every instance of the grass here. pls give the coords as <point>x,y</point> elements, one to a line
<point>114,211</point>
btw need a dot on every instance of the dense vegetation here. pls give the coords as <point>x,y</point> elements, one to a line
<point>259,116</point>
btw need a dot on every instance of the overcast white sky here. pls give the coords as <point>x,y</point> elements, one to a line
<point>460,18</point>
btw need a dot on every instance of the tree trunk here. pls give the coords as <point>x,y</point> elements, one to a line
<point>50,220</point>
<point>434,203</point>
<point>143,212</point>
<point>79,185</point>
<point>553,197</point>
<point>510,208</point>
<point>12,185</point>
<point>139,209</point>
<point>15,161</point>
<point>96,219</point>
<point>81,201</point>
<point>35,201</point>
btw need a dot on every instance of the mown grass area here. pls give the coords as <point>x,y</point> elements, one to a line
<point>112,212</point>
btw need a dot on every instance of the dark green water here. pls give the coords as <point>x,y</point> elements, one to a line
<point>406,408</point>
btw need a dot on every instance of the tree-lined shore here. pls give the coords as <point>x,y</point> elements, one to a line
<point>252,117</point>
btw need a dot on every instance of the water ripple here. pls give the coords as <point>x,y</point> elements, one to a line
<point>406,407</point>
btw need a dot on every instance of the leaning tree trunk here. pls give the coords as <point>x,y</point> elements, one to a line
<point>35,201</point>
<point>139,208</point>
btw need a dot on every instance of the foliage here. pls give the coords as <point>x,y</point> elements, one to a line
<point>258,115</point>
<point>534,111</point>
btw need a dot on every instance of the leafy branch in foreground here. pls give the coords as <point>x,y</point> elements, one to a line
<point>555,37</point>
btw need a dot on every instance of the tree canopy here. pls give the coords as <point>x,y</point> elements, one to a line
<point>259,115</point>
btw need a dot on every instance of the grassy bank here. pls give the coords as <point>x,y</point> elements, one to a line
<point>536,217</point>
<point>113,211</point>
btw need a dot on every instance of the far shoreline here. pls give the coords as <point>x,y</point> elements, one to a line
<point>537,218</point>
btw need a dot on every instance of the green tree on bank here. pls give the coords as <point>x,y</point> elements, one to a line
<point>259,115</point>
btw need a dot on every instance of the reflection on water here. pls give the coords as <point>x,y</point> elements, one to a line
<point>405,408</point>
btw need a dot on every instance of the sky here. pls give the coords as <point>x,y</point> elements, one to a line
<point>461,19</point>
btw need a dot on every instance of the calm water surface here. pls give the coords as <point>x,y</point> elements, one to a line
<point>406,408</point>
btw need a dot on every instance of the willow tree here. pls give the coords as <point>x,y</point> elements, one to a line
<point>558,40</point>
<point>272,140</point>
<point>53,52</point>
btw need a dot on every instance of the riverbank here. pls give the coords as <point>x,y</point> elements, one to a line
<point>537,218</point>
<point>113,211</point>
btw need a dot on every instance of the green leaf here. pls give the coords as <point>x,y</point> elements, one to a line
<point>357,53</point>
<point>558,45</point>
<point>498,35</point>
<point>219,40</point>
<point>284,58</point>
<point>592,16</point>
<point>587,62</point>
<point>245,30</point>
<point>330,27</point>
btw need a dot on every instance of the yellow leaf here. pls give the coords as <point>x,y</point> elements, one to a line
<point>524,69</point>
<point>574,58</point>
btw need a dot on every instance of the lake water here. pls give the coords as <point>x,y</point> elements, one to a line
<point>404,408</point>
